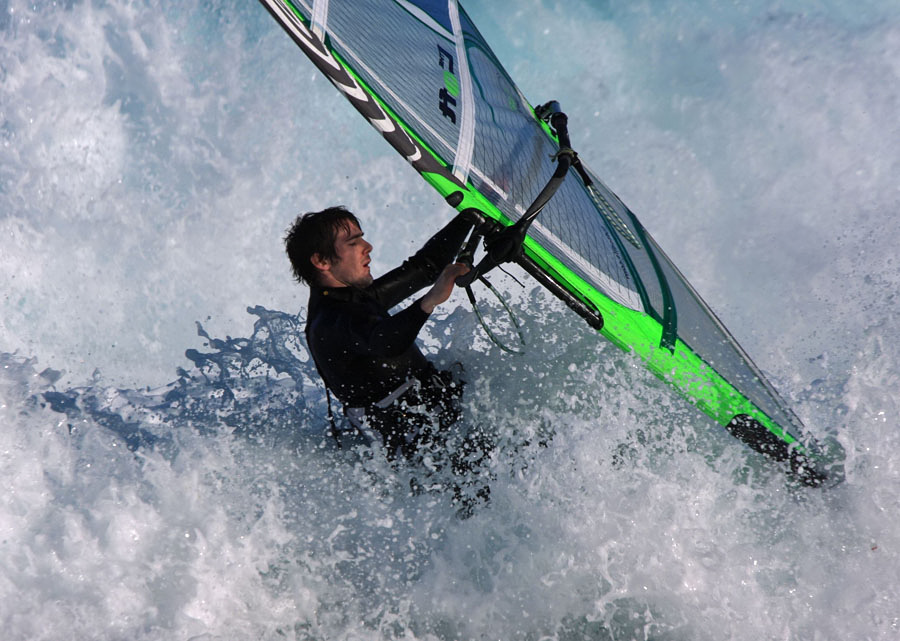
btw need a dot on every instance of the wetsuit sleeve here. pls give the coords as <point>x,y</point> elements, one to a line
<point>388,336</point>
<point>423,268</point>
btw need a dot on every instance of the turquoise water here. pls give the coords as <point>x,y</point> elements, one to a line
<point>163,455</point>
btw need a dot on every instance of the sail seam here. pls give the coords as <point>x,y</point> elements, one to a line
<point>466,144</point>
<point>425,19</point>
<point>319,18</point>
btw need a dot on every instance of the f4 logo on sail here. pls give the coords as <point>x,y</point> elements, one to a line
<point>450,91</point>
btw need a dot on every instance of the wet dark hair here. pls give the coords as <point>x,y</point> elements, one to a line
<point>315,233</point>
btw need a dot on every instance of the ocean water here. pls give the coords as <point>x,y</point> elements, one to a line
<point>163,455</point>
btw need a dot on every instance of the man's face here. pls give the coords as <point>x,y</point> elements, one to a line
<point>351,267</point>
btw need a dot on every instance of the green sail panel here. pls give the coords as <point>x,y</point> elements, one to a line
<point>424,76</point>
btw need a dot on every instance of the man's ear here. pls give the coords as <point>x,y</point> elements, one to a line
<point>322,264</point>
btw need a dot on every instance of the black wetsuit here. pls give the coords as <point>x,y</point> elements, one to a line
<point>364,353</point>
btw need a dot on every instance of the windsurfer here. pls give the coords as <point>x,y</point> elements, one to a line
<point>365,355</point>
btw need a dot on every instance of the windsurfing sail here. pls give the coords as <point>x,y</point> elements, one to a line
<point>421,73</point>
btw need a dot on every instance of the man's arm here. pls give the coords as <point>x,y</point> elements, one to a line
<point>442,287</point>
<point>389,336</point>
<point>392,335</point>
<point>423,268</point>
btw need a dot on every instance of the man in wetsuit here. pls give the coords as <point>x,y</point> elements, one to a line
<point>365,355</point>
